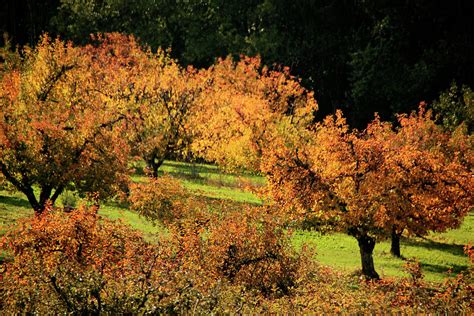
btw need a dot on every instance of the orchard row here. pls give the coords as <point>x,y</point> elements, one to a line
<point>73,117</point>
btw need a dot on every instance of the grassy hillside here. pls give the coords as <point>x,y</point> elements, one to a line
<point>438,253</point>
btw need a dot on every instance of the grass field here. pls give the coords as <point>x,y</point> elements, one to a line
<point>438,253</point>
<point>436,256</point>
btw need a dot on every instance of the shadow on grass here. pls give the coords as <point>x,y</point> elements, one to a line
<point>121,205</point>
<point>196,177</point>
<point>189,168</point>
<point>139,171</point>
<point>14,201</point>
<point>457,250</point>
<point>443,269</point>
<point>199,173</point>
<point>179,167</point>
<point>220,204</point>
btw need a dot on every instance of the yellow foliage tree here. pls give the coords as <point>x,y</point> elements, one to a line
<point>63,114</point>
<point>242,108</point>
<point>166,96</point>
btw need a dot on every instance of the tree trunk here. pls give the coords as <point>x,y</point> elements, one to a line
<point>24,187</point>
<point>153,165</point>
<point>37,207</point>
<point>366,247</point>
<point>395,246</point>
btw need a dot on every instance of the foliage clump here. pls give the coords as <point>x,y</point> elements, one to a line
<point>159,199</point>
<point>243,103</point>
<point>455,106</point>
<point>248,248</point>
<point>79,263</point>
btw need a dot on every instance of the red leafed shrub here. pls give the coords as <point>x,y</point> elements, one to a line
<point>163,199</point>
<point>236,262</point>
<point>78,263</point>
<point>248,248</point>
<point>459,291</point>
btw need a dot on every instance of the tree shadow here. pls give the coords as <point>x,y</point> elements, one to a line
<point>217,203</point>
<point>192,168</point>
<point>197,173</point>
<point>193,176</point>
<point>204,168</point>
<point>14,201</point>
<point>443,269</point>
<point>457,250</point>
<point>123,205</point>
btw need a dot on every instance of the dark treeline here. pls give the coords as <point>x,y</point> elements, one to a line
<point>359,55</point>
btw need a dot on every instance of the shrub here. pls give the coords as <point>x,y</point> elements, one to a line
<point>160,199</point>
<point>78,263</point>
<point>235,262</point>
<point>247,248</point>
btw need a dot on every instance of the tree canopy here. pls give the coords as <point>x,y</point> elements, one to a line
<point>62,121</point>
<point>374,182</point>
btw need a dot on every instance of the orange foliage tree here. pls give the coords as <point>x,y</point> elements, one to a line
<point>166,94</point>
<point>426,180</point>
<point>63,114</point>
<point>242,106</point>
<point>368,182</point>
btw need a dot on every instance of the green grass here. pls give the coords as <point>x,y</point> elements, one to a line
<point>209,181</point>
<point>438,253</point>
<point>13,206</point>
<point>221,192</point>
<point>115,211</point>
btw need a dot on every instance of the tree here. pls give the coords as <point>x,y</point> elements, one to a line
<point>198,31</point>
<point>243,105</point>
<point>77,19</point>
<point>407,52</point>
<point>26,20</point>
<point>373,182</point>
<point>166,95</point>
<point>427,177</point>
<point>10,58</point>
<point>328,174</point>
<point>62,119</point>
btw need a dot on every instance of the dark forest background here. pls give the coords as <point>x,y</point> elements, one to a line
<point>362,56</point>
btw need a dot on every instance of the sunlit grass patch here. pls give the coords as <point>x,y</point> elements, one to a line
<point>438,259</point>
<point>207,180</point>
